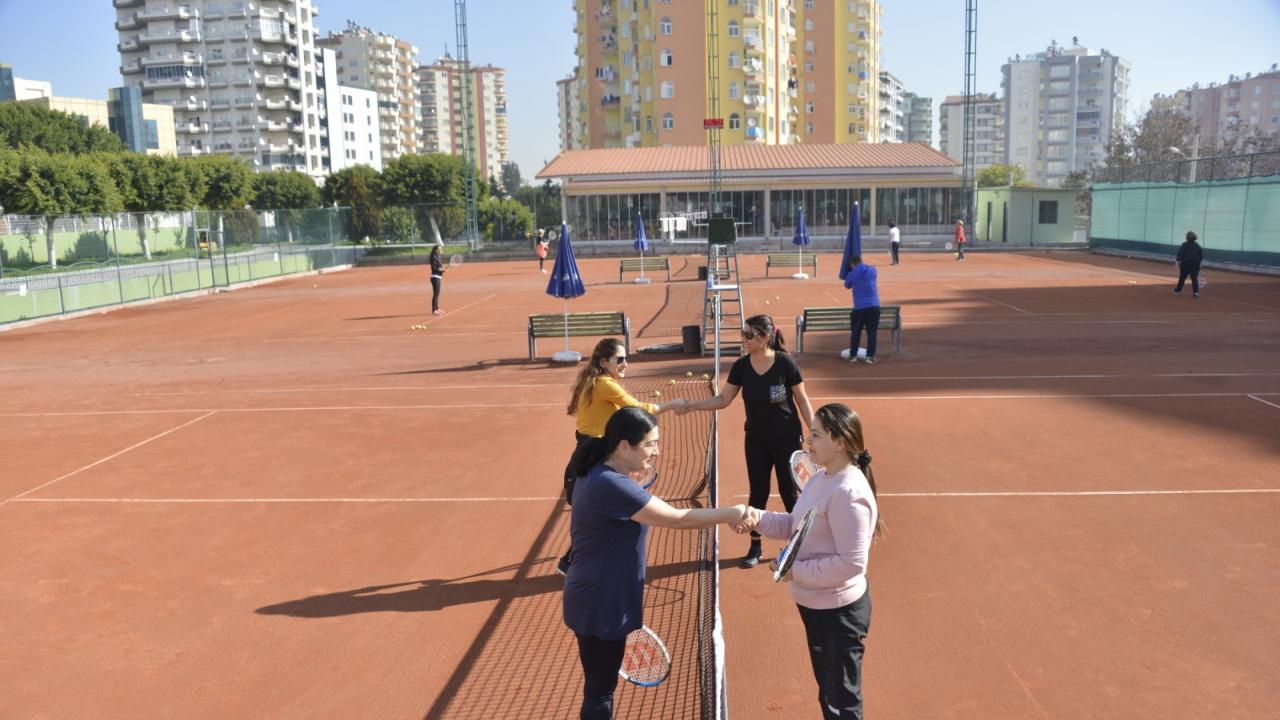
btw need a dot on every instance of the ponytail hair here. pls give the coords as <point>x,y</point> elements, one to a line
<point>629,423</point>
<point>763,325</point>
<point>586,381</point>
<point>845,427</point>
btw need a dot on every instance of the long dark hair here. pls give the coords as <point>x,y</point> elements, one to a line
<point>437,251</point>
<point>586,381</point>
<point>846,427</point>
<point>629,423</point>
<point>763,325</point>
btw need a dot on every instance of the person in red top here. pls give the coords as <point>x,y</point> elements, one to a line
<point>541,249</point>
<point>960,240</point>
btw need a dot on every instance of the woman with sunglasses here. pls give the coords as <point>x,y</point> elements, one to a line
<point>776,406</point>
<point>596,396</point>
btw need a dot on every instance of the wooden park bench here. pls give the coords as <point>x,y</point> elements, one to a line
<point>647,264</point>
<point>837,318</point>
<point>791,260</point>
<point>552,325</point>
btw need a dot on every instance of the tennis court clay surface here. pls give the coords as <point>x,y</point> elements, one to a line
<point>282,502</point>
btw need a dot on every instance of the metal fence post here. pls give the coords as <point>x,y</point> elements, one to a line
<point>116,246</point>
<point>62,301</point>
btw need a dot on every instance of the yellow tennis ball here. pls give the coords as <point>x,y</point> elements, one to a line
<point>766,302</point>
<point>314,285</point>
<point>672,381</point>
<point>705,376</point>
<point>688,373</point>
<point>657,393</point>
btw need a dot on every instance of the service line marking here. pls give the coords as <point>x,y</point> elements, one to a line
<point>1264,402</point>
<point>112,456</point>
<point>968,291</point>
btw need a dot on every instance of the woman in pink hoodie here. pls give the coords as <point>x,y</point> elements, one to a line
<point>829,578</point>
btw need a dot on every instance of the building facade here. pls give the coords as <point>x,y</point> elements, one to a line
<point>239,76</point>
<point>442,98</point>
<point>350,120</point>
<point>919,119</point>
<point>143,127</point>
<point>383,64</point>
<point>1228,112</point>
<point>989,131</point>
<point>895,109</point>
<point>1061,108</point>
<point>839,75</point>
<point>570,107</point>
<point>16,88</point>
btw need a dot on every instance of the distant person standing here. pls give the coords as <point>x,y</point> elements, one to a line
<point>541,249</point>
<point>437,277</point>
<point>960,240</point>
<point>895,242</point>
<point>866,307</point>
<point>1190,255</point>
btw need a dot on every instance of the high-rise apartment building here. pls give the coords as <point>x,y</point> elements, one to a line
<point>239,76</point>
<point>1061,107</point>
<point>570,108</point>
<point>919,119</point>
<point>838,44</point>
<point>384,64</point>
<point>349,119</point>
<point>895,109</point>
<point>442,98</point>
<point>1224,113</point>
<point>988,131</point>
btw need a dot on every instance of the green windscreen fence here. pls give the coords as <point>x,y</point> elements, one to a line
<point>1232,204</point>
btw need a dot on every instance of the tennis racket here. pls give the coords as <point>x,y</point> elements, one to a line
<point>787,556</point>
<point>645,661</point>
<point>802,469</point>
<point>455,261</point>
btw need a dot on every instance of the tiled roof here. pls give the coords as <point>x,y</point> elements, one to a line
<point>745,159</point>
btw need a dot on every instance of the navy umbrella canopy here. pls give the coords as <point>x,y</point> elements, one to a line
<point>565,283</point>
<point>852,240</point>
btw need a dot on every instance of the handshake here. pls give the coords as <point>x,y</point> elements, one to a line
<point>749,518</point>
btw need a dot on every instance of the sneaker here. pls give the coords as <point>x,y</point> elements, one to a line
<point>1194,294</point>
<point>562,567</point>
<point>853,359</point>
<point>543,271</point>
<point>752,558</point>
<point>871,361</point>
<point>1177,292</point>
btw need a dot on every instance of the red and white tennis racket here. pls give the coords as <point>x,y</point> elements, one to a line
<point>645,661</point>
<point>802,469</point>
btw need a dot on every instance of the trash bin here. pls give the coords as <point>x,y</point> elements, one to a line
<point>692,336</point>
<point>702,272</point>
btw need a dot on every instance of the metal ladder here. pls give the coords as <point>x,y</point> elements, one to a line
<point>723,289</point>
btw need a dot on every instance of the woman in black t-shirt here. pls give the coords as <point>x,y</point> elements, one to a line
<point>778,414</point>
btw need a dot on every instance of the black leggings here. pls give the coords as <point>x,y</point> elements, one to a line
<point>837,641</point>
<point>1189,270</point>
<point>763,460</point>
<point>600,659</point>
<point>435,293</point>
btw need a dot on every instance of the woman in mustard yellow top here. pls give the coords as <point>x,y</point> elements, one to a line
<point>597,394</point>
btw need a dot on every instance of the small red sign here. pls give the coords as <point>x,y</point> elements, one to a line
<point>710,123</point>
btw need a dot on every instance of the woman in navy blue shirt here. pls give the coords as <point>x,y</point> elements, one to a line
<point>604,590</point>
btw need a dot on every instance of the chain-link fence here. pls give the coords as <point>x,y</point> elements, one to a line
<point>1230,202</point>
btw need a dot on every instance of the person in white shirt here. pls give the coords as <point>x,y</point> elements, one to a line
<point>829,578</point>
<point>895,242</point>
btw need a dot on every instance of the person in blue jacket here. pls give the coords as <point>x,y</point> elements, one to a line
<point>866,307</point>
<point>604,589</point>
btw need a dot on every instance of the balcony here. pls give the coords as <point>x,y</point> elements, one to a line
<point>245,101</point>
<point>184,59</point>
<point>176,82</point>
<point>179,12</point>
<point>182,36</point>
<point>131,68</point>
<point>192,128</point>
<point>751,12</point>
<point>128,22</point>
<point>130,45</point>
<point>753,68</point>
<point>128,3</point>
<point>222,126</point>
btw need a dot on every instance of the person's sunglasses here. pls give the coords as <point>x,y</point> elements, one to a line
<point>620,359</point>
<point>748,335</point>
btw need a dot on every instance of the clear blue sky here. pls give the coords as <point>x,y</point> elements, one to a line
<point>1169,44</point>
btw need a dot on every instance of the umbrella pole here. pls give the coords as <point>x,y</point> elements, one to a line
<point>642,266</point>
<point>566,327</point>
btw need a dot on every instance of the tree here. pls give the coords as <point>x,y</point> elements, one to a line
<point>1162,134</point>
<point>222,182</point>
<point>1000,176</point>
<point>39,183</point>
<point>544,200</point>
<point>357,188</point>
<point>495,190</point>
<point>25,125</point>
<point>510,178</point>
<point>1082,181</point>
<point>286,192</point>
<point>504,219</point>
<point>433,185</point>
<point>151,183</point>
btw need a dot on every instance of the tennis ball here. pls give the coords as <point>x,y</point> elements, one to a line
<point>705,376</point>
<point>657,393</point>
<point>766,302</point>
<point>1133,282</point>
<point>688,374</point>
<point>315,285</point>
<point>672,381</point>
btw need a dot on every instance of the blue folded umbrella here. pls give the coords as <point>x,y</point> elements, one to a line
<point>565,281</point>
<point>852,240</point>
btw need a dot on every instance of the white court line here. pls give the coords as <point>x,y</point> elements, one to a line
<point>464,307</point>
<point>110,457</point>
<point>552,498</point>
<point>1046,396</point>
<point>1264,402</point>
<point>1098,376</point>
<point>969,291</point>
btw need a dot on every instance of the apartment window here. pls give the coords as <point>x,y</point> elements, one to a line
<point>808,4</point>
<point>734,30</point>
<point>664,26</point>
<point>1257,89</point>
<point>808,46</point>
<point>735,60</point>
<point>1048,212</point>
<point>808,107</point>
<point>668,89</point>
<point>808,129</point>
<point>668,121</point>
<point>733,90</point>
<point>808,66</point>
<point>648,123</point>
<point>808,87</point>
<point>647,64</point>
<point>665,58</point>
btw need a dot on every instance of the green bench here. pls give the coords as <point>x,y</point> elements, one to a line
<point>837,318</point>
<point>553,325</point>
<point>792,261</point>
<point>646,264</point>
